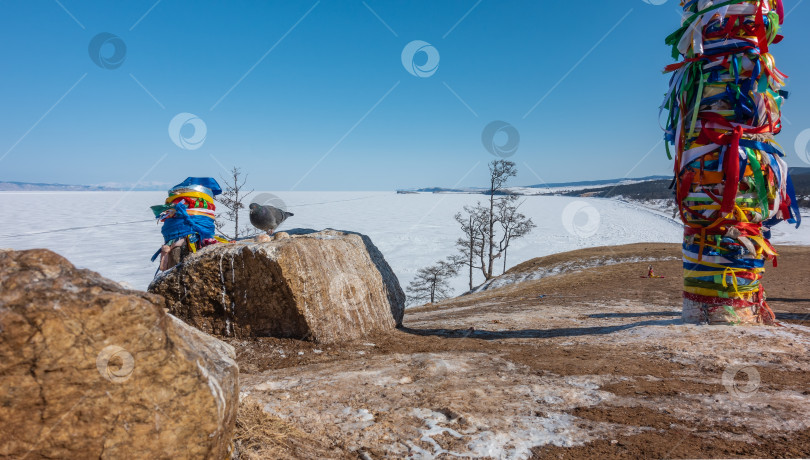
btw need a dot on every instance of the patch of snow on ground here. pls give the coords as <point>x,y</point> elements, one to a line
<point>558,429</point>
<point>562,268</point>
<point>480,405</point>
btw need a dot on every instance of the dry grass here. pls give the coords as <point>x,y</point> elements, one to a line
<point>259,435</point>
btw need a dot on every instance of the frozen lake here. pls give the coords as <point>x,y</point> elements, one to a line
<point>114,234</point>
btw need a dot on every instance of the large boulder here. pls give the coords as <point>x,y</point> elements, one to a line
<point>90,369</point>
<point>326,286</point>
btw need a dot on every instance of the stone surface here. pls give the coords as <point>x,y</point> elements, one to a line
<point>263,238</point>
<point>90,369</point>
<point>326,286</point>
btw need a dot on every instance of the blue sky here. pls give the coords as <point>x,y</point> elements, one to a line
<point>310,95</point>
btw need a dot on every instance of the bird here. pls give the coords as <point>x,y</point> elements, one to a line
<point>267,218</point>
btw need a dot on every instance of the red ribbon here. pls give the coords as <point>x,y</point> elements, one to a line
<point>731,167</point>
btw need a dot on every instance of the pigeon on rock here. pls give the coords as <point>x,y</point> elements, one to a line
<point>267,218</point>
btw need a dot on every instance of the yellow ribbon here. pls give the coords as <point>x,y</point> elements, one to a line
<point>201,195</point>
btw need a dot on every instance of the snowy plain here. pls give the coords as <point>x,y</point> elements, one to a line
<point>113,233</point>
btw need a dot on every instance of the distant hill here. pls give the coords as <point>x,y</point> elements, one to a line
<point>445,190</point>
<point>33,186</point>
<point>649,190</point>
<point>10,186</point>
<point>556,187</point>
<point>659,189</point>
<point>595,183</point>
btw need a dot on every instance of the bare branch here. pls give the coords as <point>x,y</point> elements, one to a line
<point>233,200</point>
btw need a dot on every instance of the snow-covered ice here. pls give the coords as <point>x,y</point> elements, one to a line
<point>114,234</point>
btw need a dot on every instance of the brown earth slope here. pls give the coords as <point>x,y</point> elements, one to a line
<point>583,363</point>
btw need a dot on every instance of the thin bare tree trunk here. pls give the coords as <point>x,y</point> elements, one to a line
<point>472,245</point>
<point>481,256</point>
<point>491,228</point>
<point>239,199</point>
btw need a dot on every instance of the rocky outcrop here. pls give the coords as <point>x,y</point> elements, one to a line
<point>89,369</point>
<point>326,286</point>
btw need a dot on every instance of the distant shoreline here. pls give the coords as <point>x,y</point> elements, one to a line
<point>12,186</point>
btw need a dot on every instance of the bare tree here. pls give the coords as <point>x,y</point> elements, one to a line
<point>471,245</point>
<point>232,199</point>
<point>431,283</point>
<point>489,230</point>
<point>499,172</point>
<point>513,224</point>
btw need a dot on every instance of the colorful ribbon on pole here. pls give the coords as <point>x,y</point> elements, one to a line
<point>188,218</point>
<point>732,185</point>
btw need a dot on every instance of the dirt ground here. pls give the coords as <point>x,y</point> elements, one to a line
<point>591,361</point>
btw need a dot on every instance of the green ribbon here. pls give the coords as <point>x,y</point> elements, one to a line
<point>762,191</point>
<point>674,38</point>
